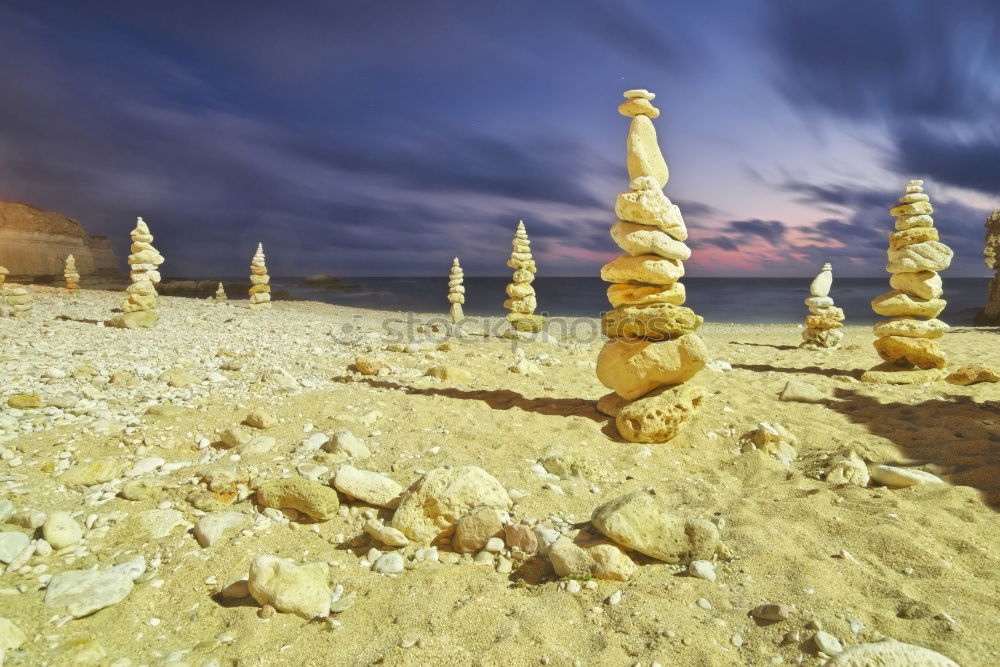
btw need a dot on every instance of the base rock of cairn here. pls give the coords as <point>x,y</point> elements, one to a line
<point>521,302</point>
<point>823,324</point>
<point>908,342</point>
<point>653,349</point>
<point>143,264</point>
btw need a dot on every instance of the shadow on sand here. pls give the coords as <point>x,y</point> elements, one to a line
<point>957,433</point>
<point>809,370</point>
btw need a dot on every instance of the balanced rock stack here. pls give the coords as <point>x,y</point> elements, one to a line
<point>220,293</point>
<point>908,341</point>
<point>991,255</point>
<point>456,292</point>
<point>653,349</point>
<point>143,263</point>
<point>260,287</point>
<point>70,274</point>
<point>521,302</point>
<point>823,324</point>
<point>14,301</point>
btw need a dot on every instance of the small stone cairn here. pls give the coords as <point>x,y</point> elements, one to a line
<point>456,292</point>
<point>71,275</point>
<point>14,301</point>
<point>143,264</point>
<point>908,341</point>
<point>521,302</point>
<point>823,324</point>
<point>653,350</point>
<point>220,293</point>
<point>260,287</point>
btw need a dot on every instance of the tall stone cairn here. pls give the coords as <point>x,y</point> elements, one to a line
<point>991,255</point>
<point>653,349</point>
<point>521,302</point>
<point>908,341</point>
<point>456,292</point>
<point>139,307</point>
<point>70,274</point>
<point>823,324</point>
<point>14,301</point>
<point>260,282</point>
<point>220,293</point>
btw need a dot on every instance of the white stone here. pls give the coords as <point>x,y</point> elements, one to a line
<point>11,636</point>
<point>889,654</point>
<point>902,477</point>
<point>211,527</point>
<point>385,534</point>
<point>347,444</point>
<point>11,544</point>
<point>296,589</point>
<point>390,563</point>
<point>371,487</point>
<point>82,592</point>
<point>61,530</point>
<point>702,569</point>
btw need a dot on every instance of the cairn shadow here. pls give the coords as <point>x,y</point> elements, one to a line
<point>783,348</point>
<point>81,320</point>
<point>954,433</point>
<point>498,399</point>
<point>808,370</point>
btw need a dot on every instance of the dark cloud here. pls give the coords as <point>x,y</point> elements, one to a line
<point>772,231</point>
<point>723,242</point>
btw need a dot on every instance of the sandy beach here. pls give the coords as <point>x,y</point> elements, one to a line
<point>146,409</point>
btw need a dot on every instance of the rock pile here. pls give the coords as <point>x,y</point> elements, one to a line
<point>653,348</point>
<point>991,255</point>
<point>143,262</point>
<point>908,341</point>
<point>220,293</point>
<point>456,292</point>
<point>14,301</point>
<point>521,302</point>
<point>823,324</point>
<point>71,274</point>
<point>260,288</point>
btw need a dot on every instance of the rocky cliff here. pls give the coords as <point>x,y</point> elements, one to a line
<point>34,244</point>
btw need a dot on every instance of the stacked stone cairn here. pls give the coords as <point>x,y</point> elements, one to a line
<point>14,301</point>
<point>70,274</point>
<point>991,255</point>
<point>653,350</point>
<point>220,293</point>
<point>908,341</point>
<point>143,264</point>
<point>823,324</point>
<point>456,292</point>
<point>260,287</point>
<point>521,302</point>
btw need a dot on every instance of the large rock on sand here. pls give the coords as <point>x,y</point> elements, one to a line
<point>658,416</point>
<point>295,589</point>
<point>435,502</point>
<point>298,493</point>
<point>642,522</point>
<point>889,654</point>
<point>633,368</point>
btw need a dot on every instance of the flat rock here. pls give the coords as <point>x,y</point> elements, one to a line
<point>636,239</point>
<point>889,373</point>
<point>924,256</point>
<point>11,636</point>
<point>82,592</point>
<point>656,321</point>
<point>923,353</point>
<point>96,472</point>
<point>908,326</point>
<point>210,528</point>
<point>798,391</point>
<point>435,502</point>
<point>371,487</point>
<point>295,589</point>
<point>896,303</point>
<point>889,654</point>
<point>642,522</point>
<point>640,295</point>
<point>972,374</point>
<point>311,498</point>
<point>12,543</point>
<point>347,444</point>
<point>649,269</point>
<point>902,477</point>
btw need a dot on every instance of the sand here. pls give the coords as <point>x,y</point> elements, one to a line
<point>916,564</point>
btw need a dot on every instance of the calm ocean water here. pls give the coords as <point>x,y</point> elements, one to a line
<point>731,300</point>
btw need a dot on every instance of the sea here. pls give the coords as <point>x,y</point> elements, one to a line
<point>724,300</point>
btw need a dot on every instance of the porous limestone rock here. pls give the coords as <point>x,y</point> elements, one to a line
<point>521,300</point>
<point>642,522</point>
<point>652,341</point>
<point>850,469</point>
<point>371,487</point>
<point>823,324</point>
<point>139,307</point>
<point>972,374</point>
<point>302,590</point>
<point>260,281</point>
<point>433,504</point>
<point>908,342</point>
<point>456,291</point>
<point>70,273</point>
<point>304,495</point>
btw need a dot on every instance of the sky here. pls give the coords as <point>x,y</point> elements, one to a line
<point>384,138</point>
